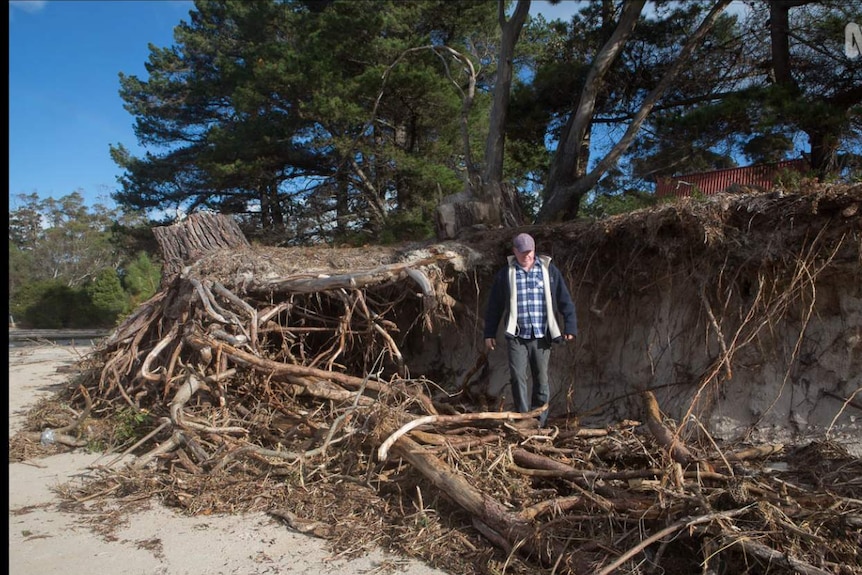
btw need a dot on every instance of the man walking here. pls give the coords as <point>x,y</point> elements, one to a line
<point>529,293</point>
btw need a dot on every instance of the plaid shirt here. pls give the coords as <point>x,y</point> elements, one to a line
<point>532,318</point>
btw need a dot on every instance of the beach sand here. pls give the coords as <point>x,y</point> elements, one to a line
<point>46,540</point>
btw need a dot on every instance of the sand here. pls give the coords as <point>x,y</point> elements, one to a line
<point>46,540</point>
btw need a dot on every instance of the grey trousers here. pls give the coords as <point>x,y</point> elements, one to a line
<point>529,357</point>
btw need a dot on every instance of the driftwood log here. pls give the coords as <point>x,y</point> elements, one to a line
<point>279,386</point>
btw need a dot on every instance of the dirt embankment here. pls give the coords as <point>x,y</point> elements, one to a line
<point>743,313</point>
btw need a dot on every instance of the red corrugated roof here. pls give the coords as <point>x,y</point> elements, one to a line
<point>708,183</point>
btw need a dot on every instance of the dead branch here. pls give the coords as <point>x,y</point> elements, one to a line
<point>666,438</point>
<point>383,450</point>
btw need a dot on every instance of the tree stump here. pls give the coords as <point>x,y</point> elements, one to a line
<point>186,241</point>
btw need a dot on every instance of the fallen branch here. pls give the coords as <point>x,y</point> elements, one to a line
<point>666,438</point>
<point>383,450</point>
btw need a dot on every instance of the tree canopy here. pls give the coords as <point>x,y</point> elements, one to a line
<point>353,121</point>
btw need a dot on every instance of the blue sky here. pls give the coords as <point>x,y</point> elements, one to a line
<point>65,57</point>
<point>64,106</point>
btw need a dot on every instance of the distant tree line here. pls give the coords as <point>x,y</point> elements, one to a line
<point>72,266</point>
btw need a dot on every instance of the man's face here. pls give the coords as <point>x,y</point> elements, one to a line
<point>525,259</point>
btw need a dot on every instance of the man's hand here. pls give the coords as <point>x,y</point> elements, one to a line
<point>569,337</point>
<point>490,343</point>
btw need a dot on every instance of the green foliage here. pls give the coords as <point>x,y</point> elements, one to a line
<point>605,205</point>
<point>768,148</point>
<point>22,267</point>
<point>51,304</point>
<point>69,241</point>
<point>130,424</point>
<point>27,297</point>
<point>530,204</point>
<point>325,120</point>
<point>764,102</point>
<point>790,179</point>
<point>107,297</point>
<point>141,278</point>
<point>406,226</point>
<point>348,120</point>
<point>61,263</point>
<point>96,445</point>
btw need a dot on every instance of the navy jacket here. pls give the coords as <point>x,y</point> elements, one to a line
<point>500,298</point>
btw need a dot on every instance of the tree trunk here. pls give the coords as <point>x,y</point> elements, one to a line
<point>564,167</point>
<point>779,35</point>
<point>463,210</point>
<point>822,138</point>
<point>495,144</point>
<point>490,202</point>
